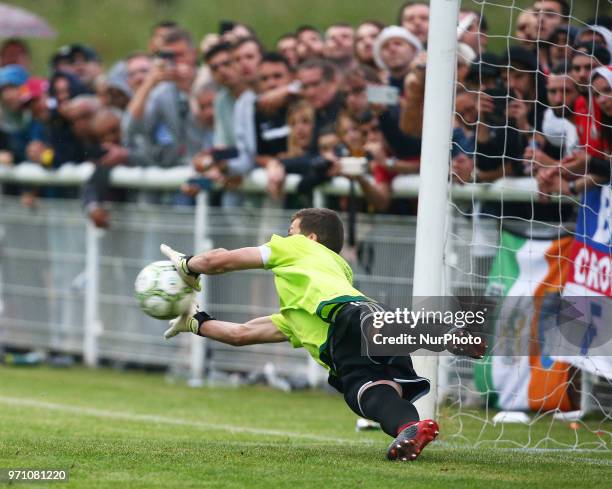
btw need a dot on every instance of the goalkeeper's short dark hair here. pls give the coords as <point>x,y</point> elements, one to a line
<point>325,223</point>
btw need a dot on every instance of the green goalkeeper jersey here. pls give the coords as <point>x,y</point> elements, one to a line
<point>312,282</point>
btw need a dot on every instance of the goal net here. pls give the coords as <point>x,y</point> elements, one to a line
<point>531,224</point>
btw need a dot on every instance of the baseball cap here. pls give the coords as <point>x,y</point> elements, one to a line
<point>69,51</point>
<point>15,75</point>
<point>87,52</point>
<point>518,55</point>
<point>392,32</point>
<point>488,66</point>
<point>32,89</point>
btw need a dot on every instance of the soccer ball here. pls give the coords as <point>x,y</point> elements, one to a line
<point>161,292</point>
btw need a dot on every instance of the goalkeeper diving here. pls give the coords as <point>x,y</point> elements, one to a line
<point>321,311</point>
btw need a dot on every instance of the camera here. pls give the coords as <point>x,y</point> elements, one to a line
<point>382,94</point>
<point>166,56</point>
<point>354,165</point>
<point>500,97</point>
<point>222,154</point>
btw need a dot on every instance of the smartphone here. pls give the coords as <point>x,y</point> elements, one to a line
<point>96,152</point>
<point>167,56</point>
<point>341,151</point>
<point>294,87</point>
<point>382,94</point>
<point>353,166</point>
<point>498,116</point>
<point>223,154</point>
<point>201,182</point>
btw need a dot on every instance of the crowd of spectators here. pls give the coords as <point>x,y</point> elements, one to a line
<point>227,105</point>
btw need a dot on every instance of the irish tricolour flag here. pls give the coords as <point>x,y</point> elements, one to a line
<point>517,375</point>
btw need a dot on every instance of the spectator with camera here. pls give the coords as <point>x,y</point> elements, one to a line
<point>275,76</point>
<point>261,130</point>
<point>508,141</point>
<point>383,168</point>
<point>587,171</point>
<point>395,50</point>
<point>320,87</point>
<point>355,87</point>
<point>411,114</point>
<point>526,88</point>
<point>299,155</point>
<point>159,31</point>
<point>158,112</point>
<point>237,137</point>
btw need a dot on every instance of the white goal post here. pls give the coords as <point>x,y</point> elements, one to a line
<point>434,185</point>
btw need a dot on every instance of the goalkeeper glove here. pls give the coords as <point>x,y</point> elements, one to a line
<point>179,260</point>
<point>187,323</point>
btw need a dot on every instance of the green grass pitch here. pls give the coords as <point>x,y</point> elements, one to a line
<point>134,430</point>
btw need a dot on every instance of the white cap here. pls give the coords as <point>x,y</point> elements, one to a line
<point>603,32</point>
<point>605,72</point>
<point>393,31</point>
<point>465,54</point>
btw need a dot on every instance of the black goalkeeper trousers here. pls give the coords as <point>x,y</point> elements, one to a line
<point>352,373</point>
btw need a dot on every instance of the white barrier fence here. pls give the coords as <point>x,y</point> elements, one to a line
<point>154,178</point>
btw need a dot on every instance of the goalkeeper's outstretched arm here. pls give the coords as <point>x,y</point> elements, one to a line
<point>212,262</point>
<point>255,331</point>
<point>220,260</point>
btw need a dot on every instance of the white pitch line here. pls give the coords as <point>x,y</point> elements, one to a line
<point>153,418</point>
